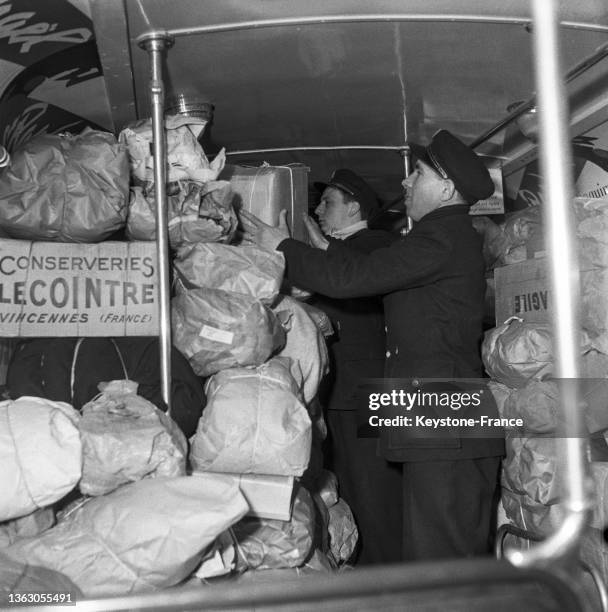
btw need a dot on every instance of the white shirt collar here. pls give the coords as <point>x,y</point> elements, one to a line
<point>345,232</point>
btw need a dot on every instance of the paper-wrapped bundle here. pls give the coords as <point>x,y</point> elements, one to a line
<point>266,190</point>
<point>38,521</point>
<point>196,212</point>
<point>239,269</point>
<point>26,578</point>
<point>531,467</point>
<point>147,535</point>
<point>495,243</point>
<point>515,352</point>
<point>599,471</point>
<point>66,188</point>
<point>528,514</point>
<point>40,454</point>
<point>126,438</point>
<point>594,307</point>
<point>186,159</point>
<point>594,364</point>
<point>343,532</point>
<point>521,229</point>
<point>305,346</point>
<point>537,404</point>
<point>326,487</point>
<point>254,423</point>
<point>500,393</point>
<point>319,317</point>
<point>216,330</point>
<point>273,544</point>
<point>591,216</point>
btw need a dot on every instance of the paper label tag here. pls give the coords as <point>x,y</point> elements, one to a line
<point>495,204</point>
<point>219,335</point>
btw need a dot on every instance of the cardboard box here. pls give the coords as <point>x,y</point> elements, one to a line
<point>522,290</point>
<point>266,190</point>
<point>57,289</point>
<point>268,496</point>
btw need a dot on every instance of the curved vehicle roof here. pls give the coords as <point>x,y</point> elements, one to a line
<point>372,74</point>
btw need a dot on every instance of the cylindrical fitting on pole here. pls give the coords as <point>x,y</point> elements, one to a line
<point>407,168</point>
<point>155,41</point>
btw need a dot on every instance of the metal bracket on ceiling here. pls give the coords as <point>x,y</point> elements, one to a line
<point>161,39</point>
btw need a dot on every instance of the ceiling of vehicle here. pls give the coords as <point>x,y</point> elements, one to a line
<point>373,75</point>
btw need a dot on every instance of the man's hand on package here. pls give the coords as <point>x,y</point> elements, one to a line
<point>317,239</point>
<point>260,234</point>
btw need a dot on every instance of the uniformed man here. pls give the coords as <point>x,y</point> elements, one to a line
<point>432,283</point>
<point>367,481</point>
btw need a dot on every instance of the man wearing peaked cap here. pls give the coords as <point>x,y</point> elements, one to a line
<point>367,481</point>
<point>354,188</point>
<point>453,160</point>
<point>432,285</point>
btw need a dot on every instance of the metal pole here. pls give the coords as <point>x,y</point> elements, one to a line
<point>356,18</point>
<point>155,48</point>
<point>407,168</point>
<point>556,170</point>
<point>572,74</point>
<point>327,148</point>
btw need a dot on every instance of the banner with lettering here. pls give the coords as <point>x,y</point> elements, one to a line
<point>54,289</point>
<point>52,74</point>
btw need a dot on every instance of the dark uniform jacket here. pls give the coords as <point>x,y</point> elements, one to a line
<point>358,344</point>
<point>432,283</point>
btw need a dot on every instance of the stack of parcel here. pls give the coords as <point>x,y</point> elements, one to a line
<point>99,460</point>
<point>519,356</point>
